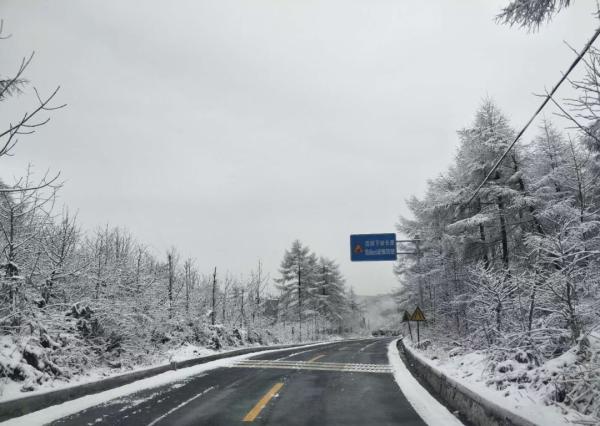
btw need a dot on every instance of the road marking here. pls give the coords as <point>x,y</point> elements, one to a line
<point>316,358</point>
<point>298,353</point>
<point>179,406</point>
<point>365,347</point>
<point>252,414</point>
<point>307,365</point>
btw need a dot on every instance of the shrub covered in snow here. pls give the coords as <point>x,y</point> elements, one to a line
<point>515,271</point>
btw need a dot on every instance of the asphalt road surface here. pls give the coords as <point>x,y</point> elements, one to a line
<point>344,383</point>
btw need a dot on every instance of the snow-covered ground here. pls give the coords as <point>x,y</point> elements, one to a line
<point>10,389</point>
<point>29,365</point>
<point>514,384</point>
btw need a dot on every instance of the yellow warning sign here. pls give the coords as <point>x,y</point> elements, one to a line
<point>417,315</point>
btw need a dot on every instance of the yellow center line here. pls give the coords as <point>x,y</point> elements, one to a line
<point>316,358</point>
<point>252,414</point>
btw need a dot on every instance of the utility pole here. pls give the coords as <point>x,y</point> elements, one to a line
<point>418,253</point>
<point>242,310</point>
<point>171,279</point>
<point>300,302</point>
<point>214,292</point>
<point>257,299</point>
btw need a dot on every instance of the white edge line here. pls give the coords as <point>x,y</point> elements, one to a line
<point>431,411</point>
<point>365,347</point>
<point>158,419</point>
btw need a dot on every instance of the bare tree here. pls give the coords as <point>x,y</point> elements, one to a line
<point>172,260</point>
<point>29,122</point>
<point>23,216</point>
<point>531,14</point>
<point>59,244</point>
<point>213,312</point>
<point>189,279</point>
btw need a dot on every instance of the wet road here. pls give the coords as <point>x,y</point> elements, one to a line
<point>344,383</point>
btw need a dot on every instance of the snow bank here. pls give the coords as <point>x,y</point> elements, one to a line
<point>28,368</point>
<point>13,389</point>
<point>188,351</point>
<point>431,411</point>
<point>515,386</point>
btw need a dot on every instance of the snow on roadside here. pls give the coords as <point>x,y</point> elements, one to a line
<point>10,389</point>
<point>471,370</point>
<point>431,411</point>
<point>58,411</point>
<point>189,351</point>
<point>19,379</point>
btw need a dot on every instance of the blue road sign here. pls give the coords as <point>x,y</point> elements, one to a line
<point>368,247</point>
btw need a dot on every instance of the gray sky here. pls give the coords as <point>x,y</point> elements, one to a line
<point>228,128</point>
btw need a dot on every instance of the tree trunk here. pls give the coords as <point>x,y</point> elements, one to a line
<point>299,303</point>
<point>486,258</point>
<point>572,318</point>
<point>171,279</point>
<point>242,309</point>
<point>214,297</point>
<point>503,233</point>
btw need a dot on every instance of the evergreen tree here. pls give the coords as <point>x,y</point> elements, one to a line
<point>330,296</point>
<point>297,282</point>
<point>486,221</point>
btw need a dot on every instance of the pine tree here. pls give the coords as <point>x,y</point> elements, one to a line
<point>297,282</point>
<point>480,146</point>
<point>330,296</point>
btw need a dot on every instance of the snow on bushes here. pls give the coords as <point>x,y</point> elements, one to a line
<point>570,382</point>
<point>514,272</point>
<point>79,343</point>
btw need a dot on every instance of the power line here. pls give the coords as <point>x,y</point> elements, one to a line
<point>540,108</point>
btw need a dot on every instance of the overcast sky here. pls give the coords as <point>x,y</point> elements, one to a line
<point>230,128</point>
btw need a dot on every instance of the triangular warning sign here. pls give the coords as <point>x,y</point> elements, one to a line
<point>406,316</point>
<point>417,315</point>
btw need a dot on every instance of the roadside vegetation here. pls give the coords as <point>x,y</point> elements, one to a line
<point>73,301</point>
<point>516,272</point>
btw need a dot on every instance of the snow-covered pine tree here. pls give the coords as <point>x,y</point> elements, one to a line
<point>330,295</point>
<point>354,320</point>
<point>486,221</point>
<point>297,282</point>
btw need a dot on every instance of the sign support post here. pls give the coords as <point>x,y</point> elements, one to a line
<point>418,253</point>
<point>406,319</point>
<point>418,316</point>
